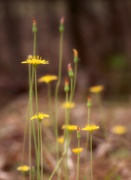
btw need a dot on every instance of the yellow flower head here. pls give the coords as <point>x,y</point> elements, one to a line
<point>47,78</point>
<point>24,168</point>
<point>77,150</point>
<point>68,105</point>
<point>90,128</point>
<point>70,127</point>
<point>40,116</point>
<point>96,89</point>
<point>119,129</point>
<point>35,60</point>
<point>60,139</point>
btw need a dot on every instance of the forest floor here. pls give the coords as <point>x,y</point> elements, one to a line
<point>111,152</point>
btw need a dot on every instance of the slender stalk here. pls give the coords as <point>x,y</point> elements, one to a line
<point>30,106</point>
<point>49,99</point>
<point>78,161</point>
<point>32,123</point>
<point>89,104</point>
<point>24,139</point>
<point>38,154</point>
<point>30,148</point>
<point>38,127</point>
<point>42,167</point>
<point>57,89</point>
<point>57,166</point>
<point>91,166</point>
<point>66,118</point>
<point>36,92</point>
<point>75,77</point>
<point>60,160</point>
<point>66,133</point>
<point>34,45</point>
<point>71,90</point>
<point>31,79</point>
<point>88,115</point>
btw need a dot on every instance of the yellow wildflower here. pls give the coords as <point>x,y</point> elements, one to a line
<point>70,127</point>
<point>96,89</point>
<point>90,128</point>
<point>23,168</point>
<point>47,78</point>
<point>40,116</point>
<point>68,105</point>
<point>119,129</point>
<point>35,60</point>
<point>60,139</point>
<point>77,150</point>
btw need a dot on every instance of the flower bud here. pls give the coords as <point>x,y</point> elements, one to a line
<point>70,71</point>
<point>34,26</point>
<point>66,87</point>
<point>89,102</point>
<point>78,133</point>
<point>61,27</point>
<point>75,56</point>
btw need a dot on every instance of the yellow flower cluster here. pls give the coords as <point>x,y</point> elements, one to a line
<point>23,168</point>
<point>39,116</point>
<point>77,150</point>
<point>47,78</point>
<point>70,127</point>
<point>35,60</point>
<point>119,129</point>
<point>90,128</point>
<point>68,105</point>
<point>96,89</point>
<point>60,139</point>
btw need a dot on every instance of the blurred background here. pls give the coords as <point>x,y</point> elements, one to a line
<point>99,30</point>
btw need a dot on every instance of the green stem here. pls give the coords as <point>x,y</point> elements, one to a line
<point>38,153</point>
<point>31,78</point>
<point>78,160</point>
<point>31,108</point>
<point>38,125</point>
<point>66,133</point>
<point>56,167</point>
<point>71,90</point>
<point>87,135</point>
<point>24,139</point>
<point>49,99</point>
<point>36,92</point>
<point>88,115</point>
<point>56,91</point>
<point>66,118</point>
<point>60,161</point>
<point>91,166</point>
<point>34,45</point>
<point>41,141</point>
<point>75,77</point>
<point>30,148</point>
